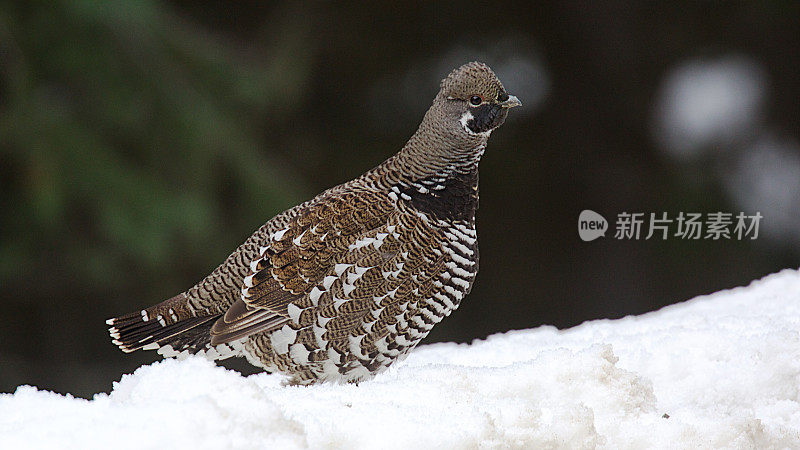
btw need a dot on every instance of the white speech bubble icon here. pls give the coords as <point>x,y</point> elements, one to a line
<point>591,225</point>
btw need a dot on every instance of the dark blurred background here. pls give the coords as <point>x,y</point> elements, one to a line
<point>141,142</point>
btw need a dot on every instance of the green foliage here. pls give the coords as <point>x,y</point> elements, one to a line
<point>128,136</point>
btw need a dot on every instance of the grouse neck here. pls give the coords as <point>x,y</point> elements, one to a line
<point>440,181</point>
<point>434,152</point>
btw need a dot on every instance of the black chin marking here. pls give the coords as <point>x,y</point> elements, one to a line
<point>486,117</point>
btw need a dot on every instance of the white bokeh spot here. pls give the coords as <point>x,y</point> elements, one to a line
<point>708,103</point>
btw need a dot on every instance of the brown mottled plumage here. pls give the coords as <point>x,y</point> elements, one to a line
<point>339,287</point>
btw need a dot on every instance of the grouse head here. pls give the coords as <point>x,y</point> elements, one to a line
<point>473,100</point>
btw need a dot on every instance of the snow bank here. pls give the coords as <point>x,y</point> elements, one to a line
<point>720,371</point>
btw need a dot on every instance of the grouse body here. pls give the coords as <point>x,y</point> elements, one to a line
<point>339,287</point>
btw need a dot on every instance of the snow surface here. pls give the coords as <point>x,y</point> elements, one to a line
<point>719,371</point>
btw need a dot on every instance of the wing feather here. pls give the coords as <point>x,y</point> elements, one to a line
<point>298,258</point>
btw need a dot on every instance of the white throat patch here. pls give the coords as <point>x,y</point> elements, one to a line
<point>465,118</point>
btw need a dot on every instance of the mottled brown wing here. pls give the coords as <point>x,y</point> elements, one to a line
<point>384,294</point>
<point>297,258</point>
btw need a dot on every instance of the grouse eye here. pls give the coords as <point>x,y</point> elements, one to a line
<point>476,100</point>
<point>503,96</point>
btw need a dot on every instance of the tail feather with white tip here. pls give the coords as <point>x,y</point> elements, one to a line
<point>170,329</point>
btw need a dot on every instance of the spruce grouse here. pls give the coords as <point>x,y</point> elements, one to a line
<point>339,287</point>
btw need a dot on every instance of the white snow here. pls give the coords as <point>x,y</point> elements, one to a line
<point>724,368</point>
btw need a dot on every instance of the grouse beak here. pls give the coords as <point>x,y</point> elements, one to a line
<point>511,102</point>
